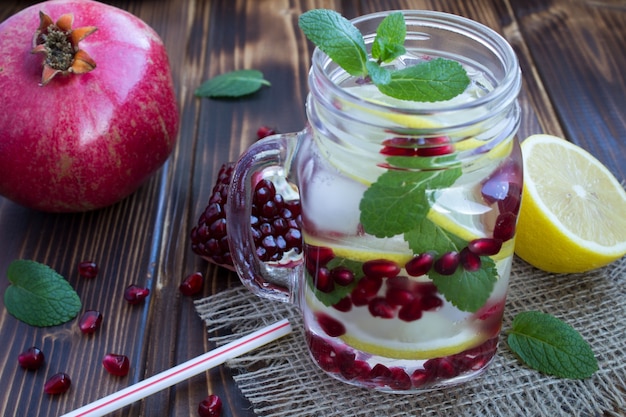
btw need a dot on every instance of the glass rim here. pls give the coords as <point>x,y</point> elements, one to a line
<point>505,92</point>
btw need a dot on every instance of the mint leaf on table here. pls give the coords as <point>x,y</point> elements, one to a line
<point>337,37</point>
<point>551,346</point>
<point>430,81</point>
<point>398,201</point>
<point>232,84</point>
<point>38,295</point>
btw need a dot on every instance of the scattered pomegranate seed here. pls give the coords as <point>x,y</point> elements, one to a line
<point>420,264</point>
<point>485,246</point>
<point>135,294</point>
<point>115,364</point>
<point>192,284</point>
<point>211,406</point>
<point>31,359</point>
<point>90,321</point>
<point>447,263</point>
<point>87,269</point>
<point>57,384</point>
<point>331,327</point>
<point>265,131</point>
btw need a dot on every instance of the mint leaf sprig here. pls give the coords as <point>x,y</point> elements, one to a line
<point>429,81</point>
<point>38,295</point>
<point>551,346</point>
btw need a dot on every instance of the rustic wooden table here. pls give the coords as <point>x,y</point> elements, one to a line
<point>572,57</point>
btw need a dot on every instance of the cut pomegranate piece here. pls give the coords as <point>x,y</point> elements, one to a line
<point>115,364</point>
<point>329,325</point>
<point>275,223</point>
<point>90,321</point>
<point>87,269</point>
<point>31,359</point>
<point>192,284</point>
<point>211,406</point>
<point>135,294</point>
<point>57,384</point>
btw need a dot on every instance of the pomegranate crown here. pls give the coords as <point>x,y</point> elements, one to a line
<point>58,42</point>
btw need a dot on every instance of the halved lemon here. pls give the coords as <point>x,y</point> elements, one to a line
<point>573,215</point>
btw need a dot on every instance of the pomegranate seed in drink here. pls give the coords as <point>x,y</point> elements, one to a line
<point>379,307</point>
<point>135,294</point>
<point>469,260</point>
<point>381,268</point>
<point>211,406</point>
<point>505,226</point>
<point>324,281</point>
<point>331,327</point>
<point>342,275</point>
<point>485,246</point>
<point>57,384</point>
<point>90,321</point>
<point>31,359</point>
<point>365,290</point>
<point>87,269</point>
<point>447,263</point>
<point>420,264</point>
<point>344,305</point>
<point>192,284</point>
<point>115,364</point>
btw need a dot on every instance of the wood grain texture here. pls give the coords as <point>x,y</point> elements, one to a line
<point>573,86</point>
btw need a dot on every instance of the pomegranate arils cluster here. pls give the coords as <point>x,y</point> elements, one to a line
<point>275,223</point>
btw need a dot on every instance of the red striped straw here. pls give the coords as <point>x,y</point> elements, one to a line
<point>183,371</point>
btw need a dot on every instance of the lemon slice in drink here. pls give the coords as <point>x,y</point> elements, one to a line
<point>573,215</point>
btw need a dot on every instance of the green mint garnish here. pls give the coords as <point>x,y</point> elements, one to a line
<point>551,346</point>
<point>232,84</point>
<point>38,295</point>
<point>429,81</point>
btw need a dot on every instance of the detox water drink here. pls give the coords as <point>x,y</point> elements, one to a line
<point>408,213</point>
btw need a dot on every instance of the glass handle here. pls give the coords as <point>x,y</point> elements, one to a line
<point>271,154</point>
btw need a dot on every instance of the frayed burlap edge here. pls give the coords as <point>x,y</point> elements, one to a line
<point>281,380</point>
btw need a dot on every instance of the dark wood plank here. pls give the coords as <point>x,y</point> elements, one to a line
<point>577,50</point>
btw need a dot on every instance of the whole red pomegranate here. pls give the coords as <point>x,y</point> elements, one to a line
<point>88,105</point>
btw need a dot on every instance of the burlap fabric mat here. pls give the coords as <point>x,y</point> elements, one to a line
<point>280,379</point>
